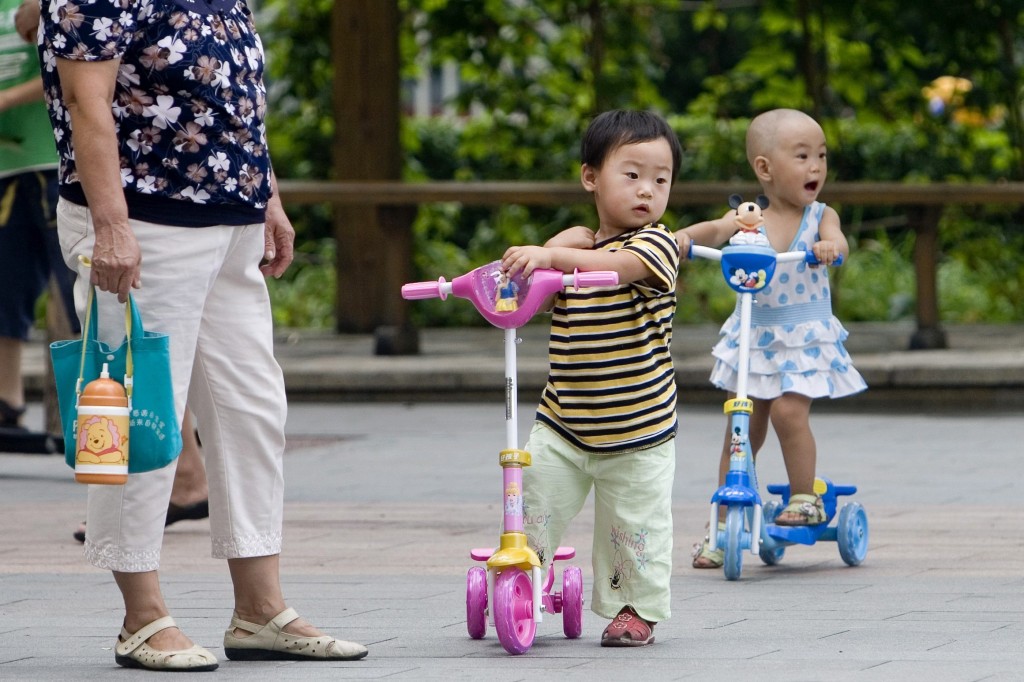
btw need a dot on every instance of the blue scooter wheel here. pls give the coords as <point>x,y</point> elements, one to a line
<point>771,556</point>
<point>733,564</point>
<point>852,533</point>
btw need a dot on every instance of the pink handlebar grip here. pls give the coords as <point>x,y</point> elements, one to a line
<point>420,290</point>
<point>597,278</point>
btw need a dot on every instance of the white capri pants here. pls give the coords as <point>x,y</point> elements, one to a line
<point>203,287</point>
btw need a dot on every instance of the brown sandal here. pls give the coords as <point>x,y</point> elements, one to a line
<point>628,629</point>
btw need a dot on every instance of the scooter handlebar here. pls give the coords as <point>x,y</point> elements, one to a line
<point>811,259</point>
<point>807,257</point>
<point>594,278</point>
<point>420,290</point>
<point>708,253</point>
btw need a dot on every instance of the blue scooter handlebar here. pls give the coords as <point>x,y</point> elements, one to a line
<point>786,256</point>
<point>811,259</point>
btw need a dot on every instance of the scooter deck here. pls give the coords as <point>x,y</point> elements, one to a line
<point>799,535</point>
<point>485,553</point>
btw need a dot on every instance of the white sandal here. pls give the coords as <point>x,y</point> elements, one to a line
<point>809,510</point>
<point>271,643</point>
<point>133,652</point>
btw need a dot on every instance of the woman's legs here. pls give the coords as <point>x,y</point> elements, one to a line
<point>258,595</point>
<point>144,603</point>
<point>190,476</point>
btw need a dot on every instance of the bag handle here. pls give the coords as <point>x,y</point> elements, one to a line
<point>132,326</point>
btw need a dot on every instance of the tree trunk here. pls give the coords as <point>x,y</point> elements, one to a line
<point>373,245</point>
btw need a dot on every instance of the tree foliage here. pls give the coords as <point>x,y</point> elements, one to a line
<point>905,91</point>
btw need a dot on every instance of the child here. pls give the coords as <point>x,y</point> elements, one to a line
<point>607,418</point>
<point>797,351</point>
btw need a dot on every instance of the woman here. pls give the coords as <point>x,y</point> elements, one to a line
<point>157,108</point>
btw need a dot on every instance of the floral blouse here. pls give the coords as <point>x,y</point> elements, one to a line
<point>188,106</point>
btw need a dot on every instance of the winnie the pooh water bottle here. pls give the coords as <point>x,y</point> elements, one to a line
<point>102,435</point>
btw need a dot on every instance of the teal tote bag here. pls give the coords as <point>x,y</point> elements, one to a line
<point>142,363</point>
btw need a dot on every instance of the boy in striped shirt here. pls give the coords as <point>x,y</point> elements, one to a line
<point>607,418</point>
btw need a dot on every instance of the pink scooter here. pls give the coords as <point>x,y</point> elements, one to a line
<point>520,594</point>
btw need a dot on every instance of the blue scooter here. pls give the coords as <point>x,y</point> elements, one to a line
<point>748,525</point>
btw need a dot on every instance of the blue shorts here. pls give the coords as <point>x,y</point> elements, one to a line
<point>29,251</point>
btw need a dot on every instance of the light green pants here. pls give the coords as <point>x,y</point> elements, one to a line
<point>632,553</point>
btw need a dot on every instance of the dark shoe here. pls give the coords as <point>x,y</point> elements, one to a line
<point>190,512</point>
<point>79,533</point>
<point>10,416</point>
<point>21,441</point>
<point>16,438</point>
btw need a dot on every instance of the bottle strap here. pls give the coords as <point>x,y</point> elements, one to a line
<point>129,371</point>
<point>87,328</point>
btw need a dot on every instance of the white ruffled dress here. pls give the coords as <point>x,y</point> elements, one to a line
<point>796,343</point>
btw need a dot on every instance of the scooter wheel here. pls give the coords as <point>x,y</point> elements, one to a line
<point>733,543</point>
<point>572,602</point>
<point>513,610</point>
<point>770,556</point>
<point>852,533</point>
<point>476,602</point>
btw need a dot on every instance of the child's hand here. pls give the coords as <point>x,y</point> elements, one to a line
<point>684,242</point>
<point>825,251</point>
<point>576,237</point>
<point>525,259</point>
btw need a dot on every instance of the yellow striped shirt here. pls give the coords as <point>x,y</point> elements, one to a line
<point>611,386</point>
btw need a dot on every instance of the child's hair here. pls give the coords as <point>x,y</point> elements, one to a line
<point>613,129</point>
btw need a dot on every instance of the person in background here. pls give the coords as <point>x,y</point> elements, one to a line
<point>29,249</point>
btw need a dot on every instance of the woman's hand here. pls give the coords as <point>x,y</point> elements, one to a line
<point>116,261</point>
<point>279,240</point>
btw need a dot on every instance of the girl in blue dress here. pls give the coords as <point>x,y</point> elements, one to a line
<point>797,351</point>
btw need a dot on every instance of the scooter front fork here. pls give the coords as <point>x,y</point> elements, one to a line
<point>755,527</point>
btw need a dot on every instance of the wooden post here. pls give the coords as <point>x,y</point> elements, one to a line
<point>374,244</point>
<point>925,221</point>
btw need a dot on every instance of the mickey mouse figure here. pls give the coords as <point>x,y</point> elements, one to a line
<point>750,220</point>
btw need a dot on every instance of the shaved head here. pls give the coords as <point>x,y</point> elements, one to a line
<point>766,129</point>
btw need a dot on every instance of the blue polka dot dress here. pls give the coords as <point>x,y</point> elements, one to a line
<point>796,343</point>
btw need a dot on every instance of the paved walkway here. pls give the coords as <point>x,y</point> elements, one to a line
<point>384,500</point>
